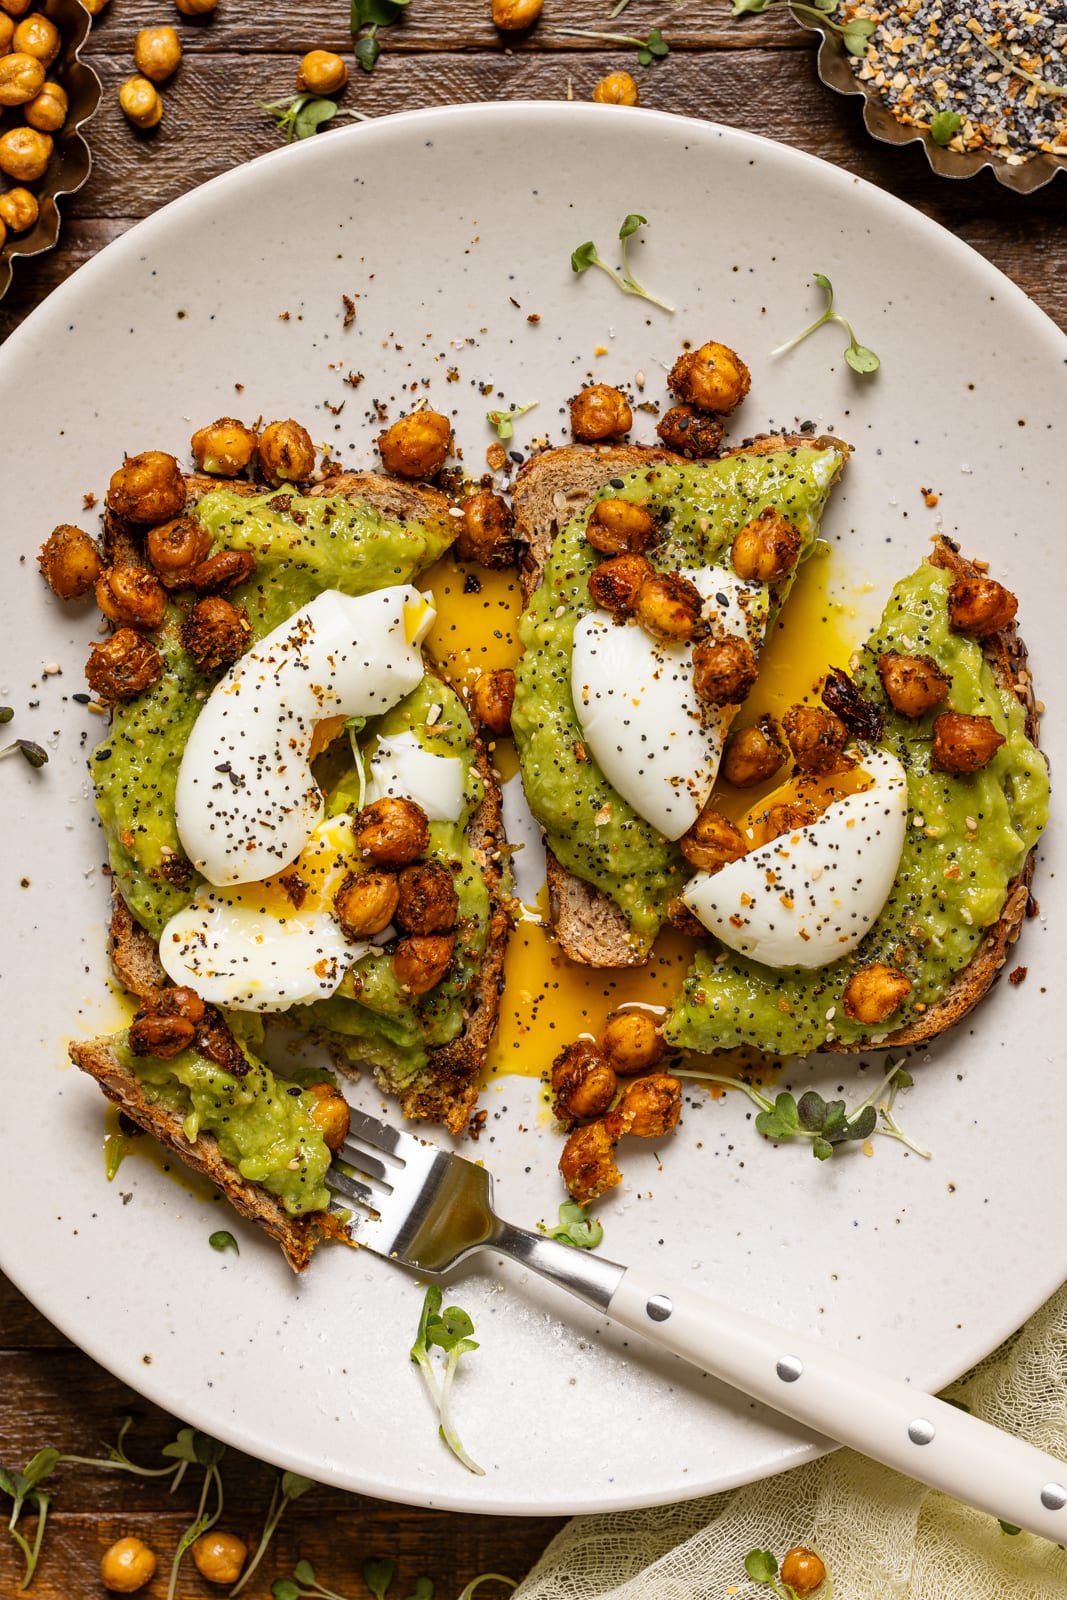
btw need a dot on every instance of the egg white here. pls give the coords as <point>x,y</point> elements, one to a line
<point>246,800</point>
<point>251,948</point>
<point>655,742</point>
<point>810,896</point>
<point>401,766</point>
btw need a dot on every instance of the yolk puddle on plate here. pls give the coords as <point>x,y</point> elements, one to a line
<point>549,1000</point>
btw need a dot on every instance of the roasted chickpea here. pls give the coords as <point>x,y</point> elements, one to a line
<point>669,607</point>
<point>651,1106</point>
<point>767,548</point>
<point>803,1571</point>
<point>617,89</point>
<point>428,899</point>
<point>690,432</point>
<point>754,754</point>
<point>147,488</point>
<point>47,111</point>
<point>713,378</point>
<point>216,633</point>
<point>682,920</point>
<point>417,445</point>
<point>331,1116</point>
<point>321,72</point>
<point>712,842</point>
<point>724,670</point>
<point>630,1042</point>
<point>38,36</point>
<point>486,531</point>
<point>127,1566</point>
<point>600,412</point>
<point>587,1164</point>
<point>913,684</point>
<point>16,8</point>
<point>157,52</point>
<point>620,527</point>
<point>123,666</point>
<point>221,572</point>
<point>219,1557</point>
<point>3,232</point>
<point>874,992</point>
<point>140,102</point>
<point>225,448</point>
<point>94,7</point>
<point>583,1083</point>
<point>21,77</point>
<point>422,961</point>
<point>511,15</point>
<point>614,583</point>
<point>286,453</point>
<point>963,744</point>
<point>817,739</point>
<point>787,817</point>
<point>980,606</point>
<point>392,832</point>
<point>195,8</point>
<point>176,547</point>
<point>131,596</point>
<point>70,562</point>
<point>366,903</point>
<point>7,33</point>
<point>25,153</point>
<point>492,699</point>
<point>167,1023</point>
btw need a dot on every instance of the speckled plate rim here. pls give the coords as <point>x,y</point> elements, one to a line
<point>72,161</point>
<point>835,70</point>
<point>527,1407</point>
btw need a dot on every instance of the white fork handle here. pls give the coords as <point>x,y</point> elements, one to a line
<point>917,1434</point>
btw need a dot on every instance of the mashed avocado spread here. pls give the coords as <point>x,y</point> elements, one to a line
<point>591,829</point>
<point>302,545</point>
<point>967,838</point>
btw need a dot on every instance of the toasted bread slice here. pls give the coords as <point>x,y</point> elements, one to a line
<point>1006,654</point>
<point>296,1235</point>
<point>549,490</point>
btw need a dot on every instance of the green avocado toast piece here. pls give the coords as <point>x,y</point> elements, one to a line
<point>591,830</point>
<point>960,887</point>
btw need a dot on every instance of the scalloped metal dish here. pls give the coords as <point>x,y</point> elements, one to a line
<point>71,160</point>
<point>836,72</point>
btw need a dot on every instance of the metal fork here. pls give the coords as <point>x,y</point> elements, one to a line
<point>429,1210</point>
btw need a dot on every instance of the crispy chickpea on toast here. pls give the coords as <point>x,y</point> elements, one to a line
<point>446,1088</point>
<point>549,490</point>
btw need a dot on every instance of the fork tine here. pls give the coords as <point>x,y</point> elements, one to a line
<point>351,1188</point>
<point>356,1156</point>
<point>378,1134</point>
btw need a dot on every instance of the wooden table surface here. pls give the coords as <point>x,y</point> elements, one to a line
<point>757,74</point>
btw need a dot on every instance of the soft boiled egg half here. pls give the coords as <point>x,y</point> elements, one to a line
<point>247,801</point>
<point>655,742</point>
<point>267,946</point>
<point>810,895</point>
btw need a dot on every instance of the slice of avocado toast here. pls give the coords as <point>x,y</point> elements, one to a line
<point>612,874</point>
<point>961,886</point>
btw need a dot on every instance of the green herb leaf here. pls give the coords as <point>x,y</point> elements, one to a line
<point>6,713</point>
<point>743,8</point>
<point>631,223</point>
<point>293,1485</point>
<point>311,116</point>
<point>40,1465</point>
<point>223,1240</point>
<point>860,359</point>
<point>811,1109</point>
<point>821,1148</point>
<point>854,37</point>
<point>367,50</point>
<point>375,13</point>
<point>304,1572</point>
<point>503,421</point>
<point>209,1452</point>
<point>284,1589</point>
<point>378,1575</point>
<point>183,1448</point>
<point>761,1566</point>
<point>423,1590</point>
<point>575,1227</point>
<point>1008,1527</point>
<point>657,46</point>
<point>28,750</point>
<point>585,256</point>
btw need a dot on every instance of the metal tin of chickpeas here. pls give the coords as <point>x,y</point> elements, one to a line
<point>56,117</point>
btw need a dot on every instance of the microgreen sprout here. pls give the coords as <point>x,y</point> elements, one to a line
<point>372,15</point>
<point>485,1577</point>
<point>423,1590</point>
<point>943,125</point>
<point>762,1568</point>
<point>451,1330</point>
<point>22,1487</point>
<point>27,750</point>
<point>378,1574</point>
<point>289,1486</point>
<point>587,255</point>
<point>853,34</point>
<point>193,1448</point>
<point>827,1123</point>
<point>223,1240</point>
<point>1056,90</point>
<point>302,1583</point>
<point>652,48</point>
<point>306,113</point>
<point>575,1227</point>
<point>859,358</point>
<point>504,421</point>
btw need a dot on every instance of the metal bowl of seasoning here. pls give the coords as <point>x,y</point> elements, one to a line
<point>70,161</point>
<point>978,85</point>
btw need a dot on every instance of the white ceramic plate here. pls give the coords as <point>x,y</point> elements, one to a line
<point>439,222</point>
